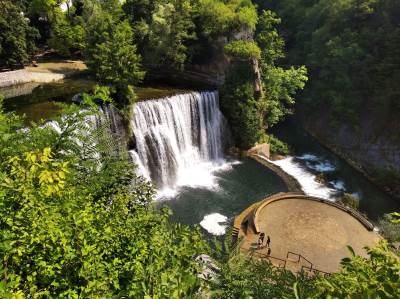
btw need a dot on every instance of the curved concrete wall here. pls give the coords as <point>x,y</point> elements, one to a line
<point>365,222</point>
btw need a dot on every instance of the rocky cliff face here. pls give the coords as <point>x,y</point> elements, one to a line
<point>210,74</point>
<point>371,143</point>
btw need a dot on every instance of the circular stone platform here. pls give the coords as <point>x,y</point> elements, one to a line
<point>314,229</point>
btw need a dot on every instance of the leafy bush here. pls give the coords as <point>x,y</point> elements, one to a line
<point>350,201</point>
<point>390,230</point>
<point>243,50</point>
<point>76,221</point>
<point>243,276</point>
<point>277,146</point>
<point>377,276</point>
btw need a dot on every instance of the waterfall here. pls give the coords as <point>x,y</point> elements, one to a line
<point>176,134</point>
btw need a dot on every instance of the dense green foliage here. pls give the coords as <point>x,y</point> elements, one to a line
<point>238,102</point>
<point>259,93</point>
<point>17,37</point>
<point>280,84</point>
<point>390,230</point>
<point>377,276</point>
<point>277,146</point>
<point>241,49</point>
<point>77,222</point>
<point>243,276</point>
<point>173,33</point>
<point>68,33</point>
<point>351,48</point>
<point>111,55</point>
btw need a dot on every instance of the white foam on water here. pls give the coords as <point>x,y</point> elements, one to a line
<point>324,166</point>
<point>317,163</point>
<point>338,185</point>
<point>305,178</point>
<point>202,175</point>
<point>166,193</point>
<point>308,157</point>
<point>212,224</point>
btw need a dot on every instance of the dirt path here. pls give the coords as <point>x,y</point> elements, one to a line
<point>44,72</point>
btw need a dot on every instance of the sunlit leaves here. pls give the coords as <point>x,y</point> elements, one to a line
<point>73,228</point>
<point>245,50</point>
<point>375,277</point>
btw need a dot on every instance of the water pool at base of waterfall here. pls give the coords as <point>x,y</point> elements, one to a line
<point>236,187</point>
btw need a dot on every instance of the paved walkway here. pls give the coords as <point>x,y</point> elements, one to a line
<point>317,231</point>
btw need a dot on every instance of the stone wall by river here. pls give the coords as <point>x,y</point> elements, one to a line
<point>371,144</point>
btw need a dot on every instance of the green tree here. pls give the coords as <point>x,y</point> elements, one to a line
<point>241,49</point>
<point>257,92</point>
<point>17,37</point>
<point>281,85</point>
<point>243,110</point>
<point>226,17</point>
<point>67,37</point>
<point>111,55</point>
<point>170,29</point>
<point>163,30</point>
<point>76,221</point>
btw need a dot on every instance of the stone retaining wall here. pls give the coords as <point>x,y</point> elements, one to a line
<point>291,183</point>
<point>24,76</point>
<point>15,78</point>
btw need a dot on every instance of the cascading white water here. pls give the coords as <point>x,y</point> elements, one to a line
<point>306,178</point>
<point>179,138</point>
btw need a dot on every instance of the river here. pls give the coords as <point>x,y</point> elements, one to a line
<point>227,187</point>
<point>314,159</point>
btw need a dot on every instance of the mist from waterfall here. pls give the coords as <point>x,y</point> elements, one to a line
<point>180,140</point>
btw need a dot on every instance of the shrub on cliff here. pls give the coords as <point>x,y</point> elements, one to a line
<point>243,50</point>
<point>239,105</point>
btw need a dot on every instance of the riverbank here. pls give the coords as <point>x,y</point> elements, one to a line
<point>393,191</point>
<point>43,72</point>
<point>310,159</point>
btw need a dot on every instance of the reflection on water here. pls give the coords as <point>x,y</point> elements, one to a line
<point>39,101</point>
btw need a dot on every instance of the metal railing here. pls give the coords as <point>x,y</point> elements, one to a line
<point>299,257</point>
<point>282,263</point>
<point>315,271</point>
<point>269,257</point>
